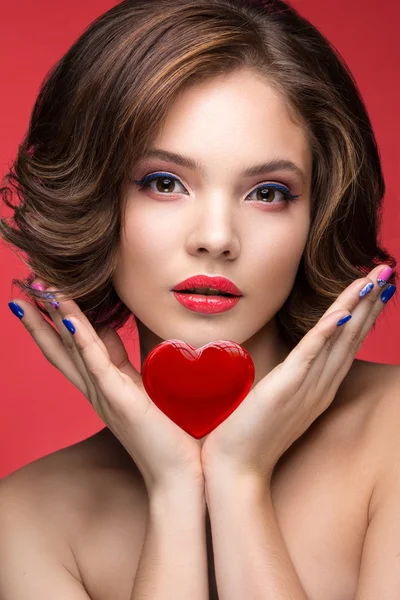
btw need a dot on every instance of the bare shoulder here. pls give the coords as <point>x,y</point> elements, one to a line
<point>70,475</point>
<point>366,392</point>
<point>70,491</point>
<point>381,383</point>
<point>378,387</point>
<point>371,411</point>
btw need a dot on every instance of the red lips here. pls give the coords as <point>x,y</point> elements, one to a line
<point>204,281</point>
<point>198,388</point>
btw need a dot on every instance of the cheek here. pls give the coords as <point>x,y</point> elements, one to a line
<point>147,238</point>
<point>277,246</point>
<point>275,258</point>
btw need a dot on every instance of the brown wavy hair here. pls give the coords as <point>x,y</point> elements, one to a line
<point>102,104</point>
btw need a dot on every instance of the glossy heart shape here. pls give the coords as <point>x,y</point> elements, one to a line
<point>198,388</point>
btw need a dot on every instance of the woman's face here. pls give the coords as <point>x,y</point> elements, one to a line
<point>213,220</point>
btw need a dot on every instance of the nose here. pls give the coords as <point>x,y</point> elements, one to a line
<point>213,230</point>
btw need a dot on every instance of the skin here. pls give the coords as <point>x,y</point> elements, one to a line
<point>205,223</point>
<point>173,238</point>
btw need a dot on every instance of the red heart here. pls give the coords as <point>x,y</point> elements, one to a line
<point>198,388</point>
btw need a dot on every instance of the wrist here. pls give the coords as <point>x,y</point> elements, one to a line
<point>234,485</point>
<point>183,496</point>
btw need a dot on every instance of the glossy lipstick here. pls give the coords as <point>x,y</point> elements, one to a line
<point>207,304</point>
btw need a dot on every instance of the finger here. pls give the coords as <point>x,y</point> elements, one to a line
<point>349,298</point>
<point>323,334</point>
<point>107,338</point>
<point>307,359</point>
<point>70,347</point>
<point>119,355</point>
<point>337,356</point>
<point>50,343</point>
<point>364,310</point>
<point>377,306</point>
<point>301,359</point>
<point>349,343</point>
<point>118,393</point>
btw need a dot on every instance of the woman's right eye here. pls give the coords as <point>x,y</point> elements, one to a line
<point>164,182</point>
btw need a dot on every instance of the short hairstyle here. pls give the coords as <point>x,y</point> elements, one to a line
<point>101,106</point>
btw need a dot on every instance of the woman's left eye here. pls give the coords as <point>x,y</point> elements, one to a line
<point>265,193</point>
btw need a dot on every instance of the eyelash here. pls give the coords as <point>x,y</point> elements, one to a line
<point>144,182</point>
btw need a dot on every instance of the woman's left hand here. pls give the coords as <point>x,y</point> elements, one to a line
<point>283,405</point>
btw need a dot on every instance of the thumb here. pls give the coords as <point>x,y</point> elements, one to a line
<point>118,354</point>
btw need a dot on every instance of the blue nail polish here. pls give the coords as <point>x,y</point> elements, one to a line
<point>69,325</point>
<point>388,293</point>
<point>381,282</point>
<point>366,289</point>
<point>343,320</point>
<point>17,310</point>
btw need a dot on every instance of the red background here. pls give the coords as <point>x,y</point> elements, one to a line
<point>40,410</point>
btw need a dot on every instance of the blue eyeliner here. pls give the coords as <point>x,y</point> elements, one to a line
<point>265,186</point>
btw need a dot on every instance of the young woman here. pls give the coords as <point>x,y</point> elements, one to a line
<point>218,138</point>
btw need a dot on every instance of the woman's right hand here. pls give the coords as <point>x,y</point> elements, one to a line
<point>98,365</point>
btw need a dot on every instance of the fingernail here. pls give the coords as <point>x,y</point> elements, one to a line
<point>384,276</point>
<point>388,293</point>
<point>366,289</point>
<point>69,325</point>
<point>344,320</point>
<point>41,287</point>
<point>17,310</point>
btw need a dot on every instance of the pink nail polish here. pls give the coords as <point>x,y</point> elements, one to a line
<point>384,276</point>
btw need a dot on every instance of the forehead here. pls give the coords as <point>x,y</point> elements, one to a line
<point>237,118</point>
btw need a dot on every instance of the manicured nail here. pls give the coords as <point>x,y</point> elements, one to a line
<point>388,293</point>
<point>384,276</point>
<point>17,310</point>
<point>41,287</point>
<point>55,304</point>
<point>366,289</point>
<point>69,325</point>
<point>343,320</point>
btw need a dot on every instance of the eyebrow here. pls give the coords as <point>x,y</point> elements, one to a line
<point>275,164</point>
